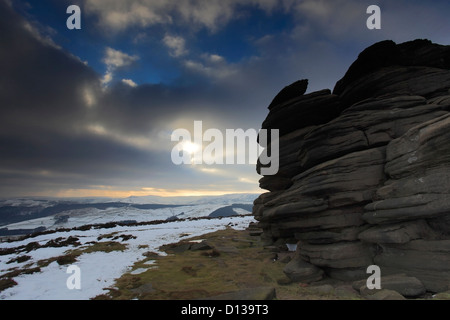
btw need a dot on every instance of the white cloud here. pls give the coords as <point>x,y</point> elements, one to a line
<point>107,78</point>
<point>212,66</point>
<point>210,70</point>
<point>119,15</point>
<point>216,13</point>
<point>41,33</point>
<point>115,59</point>
<point>89,97</point>
<point>176,44</point>
<point>142,142</point>
<point>342,20</point>
<point>345,21</point>
<point>213,58</point>
<point>334,18</point>
<point>129,82</point>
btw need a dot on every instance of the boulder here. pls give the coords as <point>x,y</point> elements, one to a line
<point>298,88</point>
<point>396,233</point>
<point>288,164</point>
<point>405,285</point>
<point>337,255</point>
<point>331,195</point>
<point>346,292</point>
<point>307,110</point>
<point>415,150</point>
<point>412,207</point>
<point>428,82</point>
<point>384,294</point>
<point>428,261</point>
<point>347,274</point>
<point>298,270</point>
<point>384,55</point>
<point>371,124</point>
<point>331,235</point>
<point>442,296</point>
<point>364,175</point>
<point>204,245</point>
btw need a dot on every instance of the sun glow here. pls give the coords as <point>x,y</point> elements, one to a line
<point>108,192</point>
<point>190,147</point>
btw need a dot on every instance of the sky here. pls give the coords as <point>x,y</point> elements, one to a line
<point>90,112</point>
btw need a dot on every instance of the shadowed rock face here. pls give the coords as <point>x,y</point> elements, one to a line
<point>386,67</point>
<point>289,92</point>
<point>365,171</point>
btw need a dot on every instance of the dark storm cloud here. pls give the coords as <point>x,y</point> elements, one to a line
<point>39,83</point>
<point>60,129</point>
<point>44,114</point>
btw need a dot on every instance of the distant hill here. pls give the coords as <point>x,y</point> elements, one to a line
<point>228,210</point>
<point>228,199</point>
<point>13,214</point>
<point>24,209</point>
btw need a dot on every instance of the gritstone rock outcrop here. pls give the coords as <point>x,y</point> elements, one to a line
<point>364,172</point>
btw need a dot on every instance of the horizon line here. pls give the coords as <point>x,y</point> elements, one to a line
<point>168,195</point>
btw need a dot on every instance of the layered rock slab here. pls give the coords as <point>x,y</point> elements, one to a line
<point>365,171</point>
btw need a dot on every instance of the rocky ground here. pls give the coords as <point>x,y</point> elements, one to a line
<point>235,265</point>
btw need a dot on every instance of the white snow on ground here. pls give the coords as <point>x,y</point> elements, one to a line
<point>98,269</point>
<point>86,216</point>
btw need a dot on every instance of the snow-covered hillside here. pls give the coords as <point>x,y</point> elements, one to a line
<point>77,218</point>
<point>196,200</point>
<point>52,214</point>
<point>98,268</point>
<point>35,267</point>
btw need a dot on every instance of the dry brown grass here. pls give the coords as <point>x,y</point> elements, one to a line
<point>237,261</point>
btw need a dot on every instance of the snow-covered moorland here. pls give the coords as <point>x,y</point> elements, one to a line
<point>36,267</point>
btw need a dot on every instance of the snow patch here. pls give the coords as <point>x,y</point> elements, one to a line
<point>98,269</point>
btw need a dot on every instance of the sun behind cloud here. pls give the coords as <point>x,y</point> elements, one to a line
<point>190,147</point>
